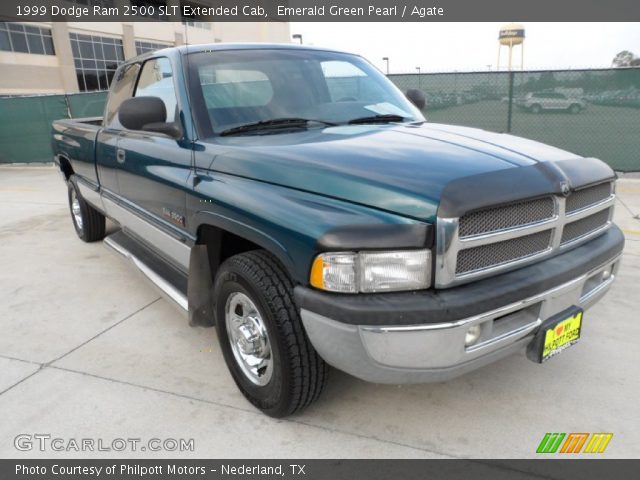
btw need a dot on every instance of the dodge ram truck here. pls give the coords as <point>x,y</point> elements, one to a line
<point>296,200</point>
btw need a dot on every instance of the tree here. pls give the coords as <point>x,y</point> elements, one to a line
<point>626,58</point>
<point>547,81</point>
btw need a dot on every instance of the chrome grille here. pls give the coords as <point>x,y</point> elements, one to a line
<point>493,254</point>
<point>484,242</point>
<point>584,226</point>
<point>507,216</point>
<point>588,196</point>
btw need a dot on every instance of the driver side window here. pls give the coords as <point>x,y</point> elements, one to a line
<point>121,89</point>
<point>156,80</point>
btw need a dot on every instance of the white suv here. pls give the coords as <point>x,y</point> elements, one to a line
<point>536,102</point>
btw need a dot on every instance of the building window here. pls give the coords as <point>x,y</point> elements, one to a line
<point>16,37</point>
<point>194,21</point>
<point>144,47</point>
<point>96,60</point>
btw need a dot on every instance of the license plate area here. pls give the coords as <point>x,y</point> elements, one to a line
<point>556,334</point>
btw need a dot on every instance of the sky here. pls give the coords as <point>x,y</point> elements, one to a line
<point>473,46</point>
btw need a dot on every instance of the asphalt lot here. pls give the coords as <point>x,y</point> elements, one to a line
<point>89,350</point>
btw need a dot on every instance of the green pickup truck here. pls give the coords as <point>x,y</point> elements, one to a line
<point>297,200</point>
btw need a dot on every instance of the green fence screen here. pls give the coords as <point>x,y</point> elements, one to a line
<point>25,123</point>
<point>590,112</point>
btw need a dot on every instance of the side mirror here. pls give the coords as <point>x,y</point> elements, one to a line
<point>148,114</point>
<point>417,98</point>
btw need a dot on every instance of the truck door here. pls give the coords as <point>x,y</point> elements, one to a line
<point>153,168</point>
<point>106,143</point>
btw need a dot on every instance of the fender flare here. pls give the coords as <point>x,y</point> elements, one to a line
<point>247,232</point>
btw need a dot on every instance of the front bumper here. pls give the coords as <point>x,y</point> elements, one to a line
<point>395,348</point>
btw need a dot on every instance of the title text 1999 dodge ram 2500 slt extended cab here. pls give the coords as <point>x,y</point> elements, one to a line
<point>297,200</point>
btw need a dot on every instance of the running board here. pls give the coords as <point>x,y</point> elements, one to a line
<point>171,282</point>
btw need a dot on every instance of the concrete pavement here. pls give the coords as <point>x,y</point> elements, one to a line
<point>89,350</point>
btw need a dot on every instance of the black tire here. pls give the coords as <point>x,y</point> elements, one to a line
<point>298,374</point>
<point>536,108</point>
<point>575,108</point>
<point>92,227</point>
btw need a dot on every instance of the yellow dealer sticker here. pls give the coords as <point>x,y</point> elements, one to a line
<point>562,335</point>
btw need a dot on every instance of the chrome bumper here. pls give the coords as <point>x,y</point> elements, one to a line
<point>435,352</point>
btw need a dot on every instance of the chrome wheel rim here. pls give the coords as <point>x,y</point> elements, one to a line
<point>75,210</point>
<point>248,338</point>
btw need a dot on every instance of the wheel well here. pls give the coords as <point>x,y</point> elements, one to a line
<point>222,244</point>
<point>214,245</point>
<point>65,167</point>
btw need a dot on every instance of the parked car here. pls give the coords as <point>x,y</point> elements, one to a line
<point>296,200</point>
<point>537,102</point>
<point>617,98</point>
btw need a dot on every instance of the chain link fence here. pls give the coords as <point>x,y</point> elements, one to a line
<point>25,122</point>
<point>590,112</point>
<point>593,113</point>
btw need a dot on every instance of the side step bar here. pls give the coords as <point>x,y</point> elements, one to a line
<point>171,282</point>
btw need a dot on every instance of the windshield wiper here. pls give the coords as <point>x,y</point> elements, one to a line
<point>377,119</point>
<point>274,123</point>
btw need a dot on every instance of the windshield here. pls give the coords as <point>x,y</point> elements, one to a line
<point>232,88</point>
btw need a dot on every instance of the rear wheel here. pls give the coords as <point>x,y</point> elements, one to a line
<point>87,221</point>
<point>536,108</point>
<point>575,108</point>
<point>261,335</point>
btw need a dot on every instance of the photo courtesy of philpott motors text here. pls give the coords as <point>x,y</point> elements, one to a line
<point>268,238</point>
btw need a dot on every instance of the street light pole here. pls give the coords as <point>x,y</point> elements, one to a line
<point>419,79</point>
<point>297,36</point>
<point>386,59</point>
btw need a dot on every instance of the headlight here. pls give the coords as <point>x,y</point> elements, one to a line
<point>367,272</point>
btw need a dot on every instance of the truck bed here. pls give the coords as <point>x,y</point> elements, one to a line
<point>74,140</point>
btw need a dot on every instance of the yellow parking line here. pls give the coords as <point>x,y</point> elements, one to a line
<point>631,232</point>
<point>627,190</point>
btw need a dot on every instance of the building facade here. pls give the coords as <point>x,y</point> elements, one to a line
<point>70,57</point>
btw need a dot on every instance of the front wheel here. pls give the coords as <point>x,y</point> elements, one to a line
<point>575,108</point>
<point>261,335</point>
<point>536,108</point>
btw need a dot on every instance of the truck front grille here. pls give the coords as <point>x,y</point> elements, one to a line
<point>507,216</point>
<point>483,242</point>
<point>588,196</point>
<point>493,254</point>
<point>578,229</point>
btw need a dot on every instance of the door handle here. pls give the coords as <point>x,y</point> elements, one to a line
<point>120,155</point>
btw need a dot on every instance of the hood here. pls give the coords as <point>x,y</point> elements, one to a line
<point>397,168</point>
